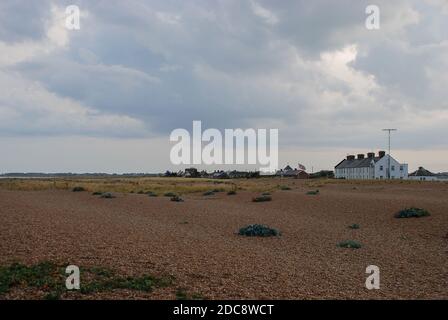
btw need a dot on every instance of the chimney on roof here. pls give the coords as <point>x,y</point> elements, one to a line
<point>360,156</point>
<point>381,154</point>
<point>371,155</point>
<point>351,157</point>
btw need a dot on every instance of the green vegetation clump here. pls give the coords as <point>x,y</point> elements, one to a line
<point>354,226</point>
<point>349,244</point>
<point>313,193</point>
<point>285,188</point>
<point>326,174</point>
<point>412,213</point>
<point>105,280</point>
<point>40,276</point>
<point>145,283</point>
<point>209,193</point>
<point>182,294</point>
<point>258,230</point>
<point>170,194</point>
<point>97,193</point>
<point>50,278</point>
<point>107,195</point>
<point>231,193</point>
<point>78,189</point>
<point>262,199</point>
<point>177,199</point>
<point>151,194</point>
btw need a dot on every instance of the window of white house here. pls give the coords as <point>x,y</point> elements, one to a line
<point>401,168</point>
<point>381,168</point>
<point>393,168</point>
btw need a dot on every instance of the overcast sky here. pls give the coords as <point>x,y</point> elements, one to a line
<point>106,97</point>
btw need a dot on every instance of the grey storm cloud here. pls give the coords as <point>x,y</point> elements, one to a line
<point>144,68</point>
<point>23,20</point>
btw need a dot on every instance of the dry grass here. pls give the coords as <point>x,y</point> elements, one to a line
<point>127,185</point>
<point>123,185</point>
<point>319,183</point>
<point>162,185</point>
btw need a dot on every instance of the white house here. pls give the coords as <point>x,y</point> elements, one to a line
<point>425,175</point>
<point>382,166</point>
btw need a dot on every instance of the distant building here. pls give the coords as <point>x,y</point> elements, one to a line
<point>425,175</point>
<point>243,174</point>
<point>219,174</point>
<point>371,167</point>
<point>192,173</point>
<point>293,173</point>
<point>442,176</point>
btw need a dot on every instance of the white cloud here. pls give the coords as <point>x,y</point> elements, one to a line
<point>443,4</point>
<point>337,64</point>
<point>264,13</point>
<point>168,18</point>
<point>27,107</point>
<point>56,38</point>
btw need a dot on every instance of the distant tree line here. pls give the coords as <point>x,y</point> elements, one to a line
<point>326,174</point>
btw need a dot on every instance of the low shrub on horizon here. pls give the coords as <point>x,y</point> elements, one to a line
<point>354,226</point>
<point>170,194</point>
<point>231,193</point>
<point>78,189</point>
<point>285,188</point>
<point>151,194</point>
<point>412,213</point>
<point>262,199</point>
<point>96,193</point>
<point>177,199</point>
<point>209,193</point>
<point>258,230</point>
<point>349,244</point>
<point>107,195</point>
<point>313,193</point>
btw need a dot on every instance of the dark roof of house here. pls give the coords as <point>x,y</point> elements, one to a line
<point>287,168</point>
<point>422,172</point>
<point>291,172</point>
<point>356,163</point>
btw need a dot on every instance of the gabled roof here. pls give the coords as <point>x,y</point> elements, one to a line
<point>422,172</point>
<point>356,163</point>
<point>290,172</point>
